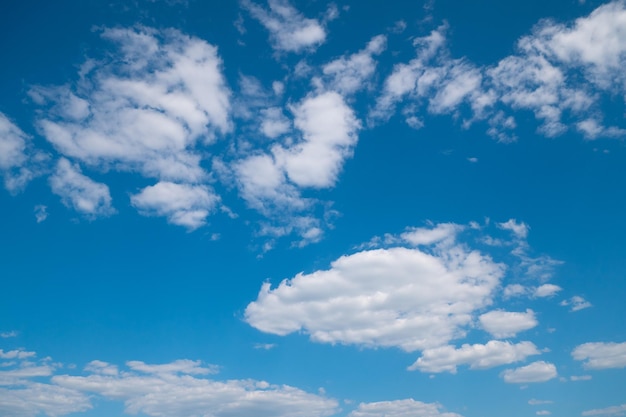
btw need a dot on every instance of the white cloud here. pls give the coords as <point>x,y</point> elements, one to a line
<point>576,303</point>
<point>172,390</point>
<point>539,371</point>
<point>348,75</point>
<point>504,324</point>
<point>183,204</point>
<point>329,134</point>
<point>41,213</point>
<point>425,300</point>
<point>596,42</point>
<point>6,335</point>
<point>274,123</point>
<point>400,408</point>
<point>534,401</point>
<point>14,354</point>
<point>432,77</point>
<point>18,163</point>
<point>520,230</point>
<point>616,410</point>
<point>33,399</point>
<point>442,232</point>
<point>146,107</point>
<point>580,377</point>
<point>515,290</point>
<point>559,72</point>
<point>12,144</point>
<point>546,290</point>
<point>601,355</point>
<point>477,356</point>
<point>290,31</point>
<point>273,182</point>
<point>79,191</point>
<point>177,389</point>
<point>543,413</point>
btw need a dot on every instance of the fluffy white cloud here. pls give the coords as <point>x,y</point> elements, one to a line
<point>178,389</point>
<point>601,355</point>
<point>539,371</point>
<point>329,134</point>
<point>182,204</point>
<point>290,31</point>
<point>616,410</point>
<point>79,191</point>
<point>477,356</point>
<point>504,324</point>
<point>172,390</point>
<point>272,182</point>
<point>520,230</point>
<point>432,77</point>
<point>34,399</point>
<point>425,299</point>
<point>274,123</point>
<point>534,401</point>
<point>12,144</point>
<point>17,161</point>
<point>576,303</point>
<point>146,109</point>
<point>349,74</point>
<point>559,72</point>
<point>546,290</point>
<point>400,408</point>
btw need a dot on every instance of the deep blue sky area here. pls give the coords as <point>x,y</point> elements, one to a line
<point>310,208</point>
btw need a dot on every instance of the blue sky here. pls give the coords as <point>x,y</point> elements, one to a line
<point>308,208</point>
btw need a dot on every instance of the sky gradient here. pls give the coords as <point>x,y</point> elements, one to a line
<point>309,208</point>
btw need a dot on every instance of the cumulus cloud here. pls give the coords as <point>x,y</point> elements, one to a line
<point>431,77</point>
<point>519,230</point>
<point>426,299</point>
<point>18,162</point>
<point>616,410</point>
<point>149,107</point>
<point>559,72</point>
<point>183,204</point>
<point>272,182</point>
<point>576,378</point>
<point>477,356</point>
<point>178,389</point>
<point>80,192</point>
<point>504,324</point>
<point>400,408</point>
<point>539,371</point>
<point>575,303</point>
<point>290,30</point>
<point>350,74</point>
<point>601,355</point>
<point>174,390</point>
<point>546,290</point>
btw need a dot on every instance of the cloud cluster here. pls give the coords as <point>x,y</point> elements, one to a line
<point>493,353</point>
<point>149,109</point>
<point>427,297</point>
<point>400,408</point>
<point>539,371</point>
<point>601,355</point>
<point>290,31</point>
<point>178,389</point>
<point>558,73</point>
<point>504,324</point>
<point>616,410</point>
